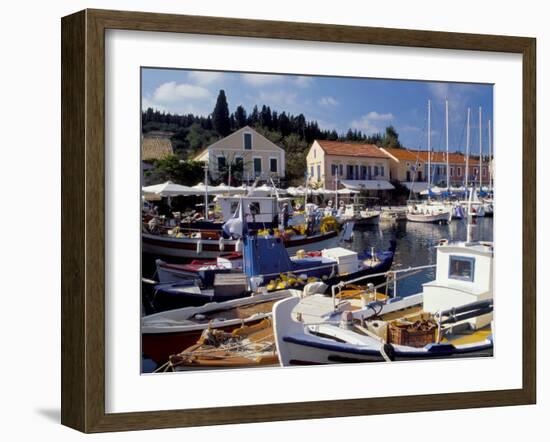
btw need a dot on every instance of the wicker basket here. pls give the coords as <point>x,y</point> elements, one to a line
<point>411,334</point>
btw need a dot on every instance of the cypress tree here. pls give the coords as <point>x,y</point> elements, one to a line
<point>220,115</point>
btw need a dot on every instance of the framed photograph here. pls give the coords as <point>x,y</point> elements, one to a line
<point>267,221</point>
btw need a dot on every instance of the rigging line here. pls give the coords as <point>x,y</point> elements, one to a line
<point>462,135</point>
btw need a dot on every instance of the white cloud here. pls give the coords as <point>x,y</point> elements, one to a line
<point>328,101</point>
<point>375,116</point>
<point>204,77</point>
<point>171,92</point>
<point>372,122</point>
<point>180,98</point>
<point>262,79</point>
<point>279,98</point>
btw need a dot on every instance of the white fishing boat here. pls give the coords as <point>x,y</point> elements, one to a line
<point>450,317</point>
<point>425,212</point>
<point>360,215</point>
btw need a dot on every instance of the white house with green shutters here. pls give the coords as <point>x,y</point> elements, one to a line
<point>260,157</point>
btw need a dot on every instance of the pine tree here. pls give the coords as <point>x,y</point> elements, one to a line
<point>220,115</point>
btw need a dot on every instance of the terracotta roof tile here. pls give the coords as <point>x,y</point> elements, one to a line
<point>155,148</point>
<point>351,149</point>
<point>439,157</point>
<point>401,154</point>
<point>422,156</point>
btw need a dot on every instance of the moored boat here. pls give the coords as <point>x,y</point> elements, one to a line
<point>265,259</point>
<point>427,213</point>
<point>167,333</point>
<point>451,317</point>
<point>213,245</point>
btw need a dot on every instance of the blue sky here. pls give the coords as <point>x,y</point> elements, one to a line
<point>336,103</point>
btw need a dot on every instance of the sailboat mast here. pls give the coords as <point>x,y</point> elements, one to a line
<point>480,151</point>
<point>429,148</point>
<point>490,157</point>
<point>447,139</point>
<point>467,151</point>
<point>206,190</point>
<point>336,189</point>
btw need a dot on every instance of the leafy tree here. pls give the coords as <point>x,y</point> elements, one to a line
<point>220,115</point>
<point>235,167</point>
<point>171,168</point>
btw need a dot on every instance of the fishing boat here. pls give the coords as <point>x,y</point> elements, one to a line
<point>252,345</point>
<point>267,265</point>
<point>209,244</point>
<point>451,317</point>
<point>167,333</point>
<point>244,347</point>
<point>203,269</point>
<point>265,260</point>
<point>423,212</point>
<point>360,215</point>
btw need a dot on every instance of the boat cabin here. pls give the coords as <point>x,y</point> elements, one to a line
<point>256,208</point>
<point>464,274</point>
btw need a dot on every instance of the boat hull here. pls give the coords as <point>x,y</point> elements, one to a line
<point>188,248</point>
<point>322,351</point>
<point>428,218</point>
<point>160,346</point>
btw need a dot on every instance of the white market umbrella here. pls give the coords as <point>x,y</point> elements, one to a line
<point>166,189</point>
<point>347,192</point>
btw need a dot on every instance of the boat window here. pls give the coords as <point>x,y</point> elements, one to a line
<point>462,268</point>
<point>254,208</point>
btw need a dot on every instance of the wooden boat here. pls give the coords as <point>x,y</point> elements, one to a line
<point>452,315</point>
<point>166,333</point>
<point>265,259</point>
<point>244,347</point>
<point>249,345</point>
<point>203,269</point>
<point>210,245</point>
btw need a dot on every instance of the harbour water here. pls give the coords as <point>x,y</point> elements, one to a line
<point>415,247</point>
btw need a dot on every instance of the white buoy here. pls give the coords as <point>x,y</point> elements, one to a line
<point>199,246</point>
<point>221,243</point>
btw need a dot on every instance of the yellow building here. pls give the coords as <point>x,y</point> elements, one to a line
<point>260,157</point>
<point>405,166</point>
<point>355,165</point>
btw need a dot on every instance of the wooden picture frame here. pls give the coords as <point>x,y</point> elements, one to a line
<point>83,215</point>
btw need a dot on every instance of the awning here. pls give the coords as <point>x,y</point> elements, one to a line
<point>367,184</point>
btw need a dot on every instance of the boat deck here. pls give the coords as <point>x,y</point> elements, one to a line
<point>468,337</point>
<point>459,335</point>
<point>241,312</point>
